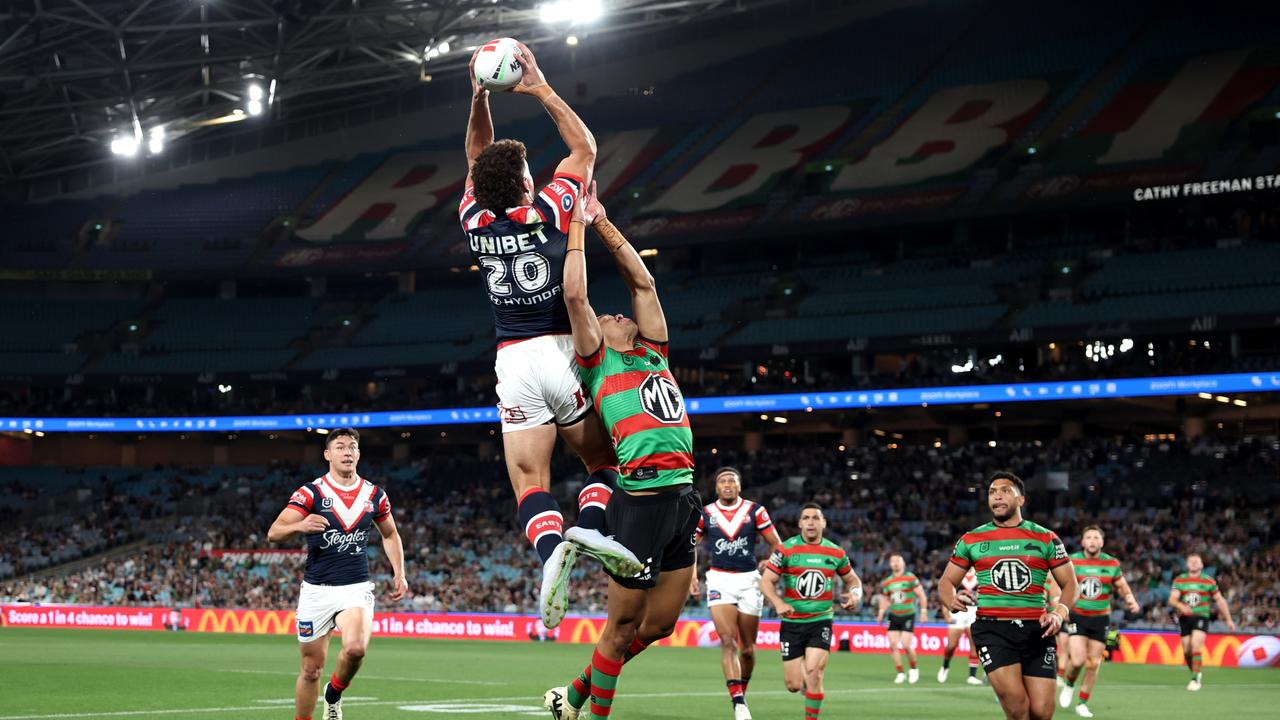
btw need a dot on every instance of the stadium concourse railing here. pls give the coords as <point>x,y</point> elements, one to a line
<point>1092,389</point>
<point>1147,647</point>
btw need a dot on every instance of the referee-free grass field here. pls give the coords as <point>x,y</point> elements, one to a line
<point>120,674</point>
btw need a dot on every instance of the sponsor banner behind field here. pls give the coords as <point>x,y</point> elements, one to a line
<point>258,556</point>
<point>1153,648</point>
<point>76,616</point>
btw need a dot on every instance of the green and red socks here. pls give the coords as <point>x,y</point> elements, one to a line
<point>812,705</point>
<point>580,689</point>
<point>913,664</point>
<point>604,683</point>
<point>539,515</point>
<point>1072,674</point>
<point>1084,698</point>
<point>973,660</point>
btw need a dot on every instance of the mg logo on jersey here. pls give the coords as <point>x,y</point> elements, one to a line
<point>898,597</point>
<point>661,400</point>
<point>1010,575</point>
<point>1091,588</point>
<point>1191,598</point>
<point>811,584</point>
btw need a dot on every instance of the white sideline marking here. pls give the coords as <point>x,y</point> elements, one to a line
<point>527,698</point>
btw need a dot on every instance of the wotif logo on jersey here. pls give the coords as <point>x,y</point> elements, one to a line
<point>661,399</point>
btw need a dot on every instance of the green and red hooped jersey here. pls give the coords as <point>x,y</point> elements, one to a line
<point>1012,565</point>
<point>901,591</point>
<point>643,408</point>
<point>808,573</point>
<point>1095,583</point>
<point>1196,591</point>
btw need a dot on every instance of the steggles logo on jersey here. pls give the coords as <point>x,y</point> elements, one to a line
<point>661,399</point>
<point>811,584</point>
<point>342,542</point>
<point>1091,588</point>
<point>1010,575</point>
<point>732,547</point>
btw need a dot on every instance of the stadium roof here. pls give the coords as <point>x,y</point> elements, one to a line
<point>77,74</point>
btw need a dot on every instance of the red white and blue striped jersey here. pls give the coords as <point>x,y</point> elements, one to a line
<point>339,554</point>
<point>522,255</point>
<point>733,531</point>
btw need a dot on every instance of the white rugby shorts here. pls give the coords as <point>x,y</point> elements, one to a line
<point>319,605</point>
<point>538,383</point>
<point>740,589</point>
<point>962,620</point>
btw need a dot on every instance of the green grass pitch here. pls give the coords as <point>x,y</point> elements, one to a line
<point>49,674</point>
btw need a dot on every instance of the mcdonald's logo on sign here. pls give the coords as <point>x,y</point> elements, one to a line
<point>254,622</point>
<point>1166,649</point>
<point>584,630</point>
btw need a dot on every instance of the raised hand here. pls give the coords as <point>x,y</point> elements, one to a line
<point>533,81</point>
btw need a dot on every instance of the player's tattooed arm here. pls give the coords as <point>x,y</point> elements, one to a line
<point>1053,618</point>
<point>575,133</point>
<point>582,317</point>
<point>646,307</point>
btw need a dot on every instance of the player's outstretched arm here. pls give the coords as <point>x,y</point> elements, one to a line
<point>650,319</point>
<point>292,522</point>
<point>394,548</point>
<point>480,124</point>
<point>582,317</point>
<point>577,137</point>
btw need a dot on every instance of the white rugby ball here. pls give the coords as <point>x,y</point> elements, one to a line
<point>1259,651</point>
<point>496,66</point>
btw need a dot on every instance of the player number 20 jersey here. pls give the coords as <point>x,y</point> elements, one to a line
<point>521,256</point>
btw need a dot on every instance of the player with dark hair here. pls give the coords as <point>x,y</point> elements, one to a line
<point>519,237</point>
<point>1190,599</point>
<point>1014,630</point>
<point>623,363</point>
<point>808,564</point>
<point>1097,573</point>
<point>335,513</point>
<point>902,598</point>
<point>733,524</point>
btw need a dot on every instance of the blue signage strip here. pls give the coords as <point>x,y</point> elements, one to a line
<point>951,395</point>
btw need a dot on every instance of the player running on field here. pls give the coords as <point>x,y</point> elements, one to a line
<point>335,513</point>
<point>1097,573</point>
<point>958,625</point>
<point>902,597</point>
<point>1190,599</point>
<point>518,237</point>
<point>1014,630</point>
<point>623,363</point>
<point>733,524</point>
<point>808,565</point>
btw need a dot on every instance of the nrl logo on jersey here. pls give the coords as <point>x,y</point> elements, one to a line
<point>661,400</point>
